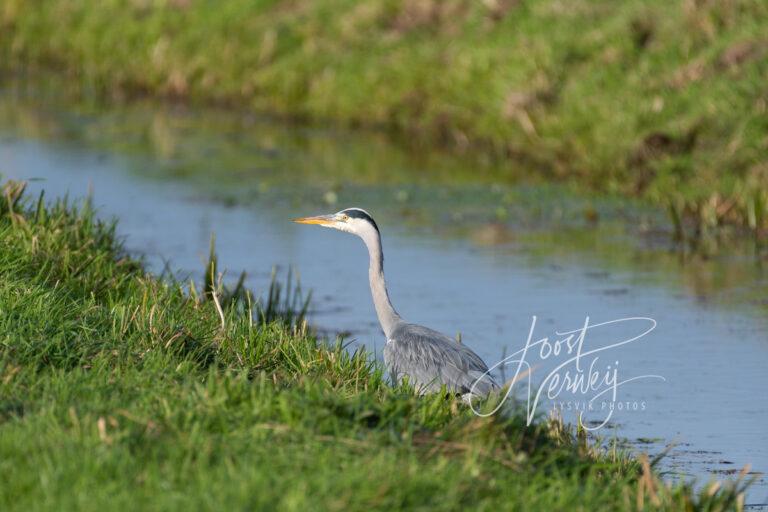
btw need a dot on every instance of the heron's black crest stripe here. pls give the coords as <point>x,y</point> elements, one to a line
<point>357,213</point>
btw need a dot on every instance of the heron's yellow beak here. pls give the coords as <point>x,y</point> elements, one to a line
<point>323,220</point>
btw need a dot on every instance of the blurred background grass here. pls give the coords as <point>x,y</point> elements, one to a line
<point>657,99</point>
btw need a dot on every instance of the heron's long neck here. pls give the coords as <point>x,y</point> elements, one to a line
<point>388,317</point>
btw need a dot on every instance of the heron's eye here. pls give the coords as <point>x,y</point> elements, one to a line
<point>344,217</point>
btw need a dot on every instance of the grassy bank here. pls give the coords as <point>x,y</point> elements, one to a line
<point>660,99</point>
<point>120,390</point>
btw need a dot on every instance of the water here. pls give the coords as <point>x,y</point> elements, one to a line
<point>463,255</point>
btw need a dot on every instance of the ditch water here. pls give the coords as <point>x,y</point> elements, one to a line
<point>470,249</point>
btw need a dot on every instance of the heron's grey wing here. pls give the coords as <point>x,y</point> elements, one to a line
<point>430,359</point>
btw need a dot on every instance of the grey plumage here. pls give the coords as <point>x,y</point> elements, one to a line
<point>428,359</point>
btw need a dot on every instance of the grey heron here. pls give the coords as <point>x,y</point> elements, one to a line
<point>426,357</point>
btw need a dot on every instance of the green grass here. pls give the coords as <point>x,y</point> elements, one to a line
<point>122,391</point>
<point>660,99</point>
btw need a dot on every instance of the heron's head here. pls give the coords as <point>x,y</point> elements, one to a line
<point>352,220</point>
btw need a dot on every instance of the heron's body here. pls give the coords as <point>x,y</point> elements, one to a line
<point>428,359</point>
<point>431,360</point>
